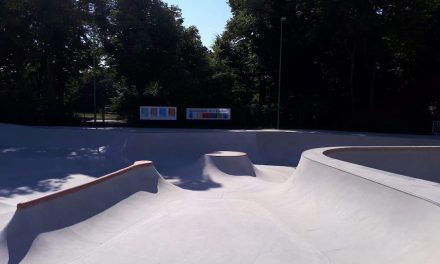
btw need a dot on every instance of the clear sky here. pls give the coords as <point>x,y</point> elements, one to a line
<point>209,16</point>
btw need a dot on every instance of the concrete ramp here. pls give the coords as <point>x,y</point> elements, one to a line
<point>82,217</point>
<point>353,218</point>
<point>135,216</point>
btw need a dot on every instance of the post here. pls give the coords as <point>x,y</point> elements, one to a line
<point>282,19</point>
<point>94,86</point>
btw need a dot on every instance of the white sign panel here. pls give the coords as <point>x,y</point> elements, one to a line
<point>157,113</point>
<point>208,114</point>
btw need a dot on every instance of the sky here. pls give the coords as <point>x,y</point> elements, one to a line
<point>209,16</point>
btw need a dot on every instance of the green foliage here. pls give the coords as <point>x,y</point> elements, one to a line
<point>43,50</point>
<point>144,55</point>
<point>346,64</point>
<point>162,62</point>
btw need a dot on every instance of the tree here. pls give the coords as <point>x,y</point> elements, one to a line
<point>346,64</point>
<point>159,61</point>
<point>43,50</point>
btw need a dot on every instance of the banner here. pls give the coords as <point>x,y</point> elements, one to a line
<point>157,113</point>
<point>208,114</point>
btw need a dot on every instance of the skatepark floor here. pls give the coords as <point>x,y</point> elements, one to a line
<point>71,195</point>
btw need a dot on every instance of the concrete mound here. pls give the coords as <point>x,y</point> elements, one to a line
<point>74,215</point>
<point>235,163</point>
<point>230,163</point>
<point>217,169</point>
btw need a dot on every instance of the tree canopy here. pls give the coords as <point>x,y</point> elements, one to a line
<point>346,64</point>
<point>358,65</point>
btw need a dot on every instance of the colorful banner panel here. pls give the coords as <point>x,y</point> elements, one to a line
<point>157,113</point>
<point>208,114</point>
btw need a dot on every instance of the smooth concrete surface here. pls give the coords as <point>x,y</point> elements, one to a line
<point>203,200</point>
<point>417,162</point>
<point>352,218</point>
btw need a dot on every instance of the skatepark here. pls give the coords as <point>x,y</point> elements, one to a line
<point>126,195</point>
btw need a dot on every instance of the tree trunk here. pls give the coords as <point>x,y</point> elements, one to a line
<point>261,100</point>
<point>372,85</point>
<point>352,69</point>
<point>371,74</point>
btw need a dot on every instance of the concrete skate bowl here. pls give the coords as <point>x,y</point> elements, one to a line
<point>239,199</point>
<point>329,211</point>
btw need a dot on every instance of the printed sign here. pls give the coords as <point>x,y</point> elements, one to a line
<point>157,113</point>
<point>208,114</point>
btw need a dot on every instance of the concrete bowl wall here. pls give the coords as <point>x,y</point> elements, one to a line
<point>418,162</point>
<point>358,214</point>
<point>57,152</point>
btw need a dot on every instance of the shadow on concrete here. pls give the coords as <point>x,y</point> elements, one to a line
<point>68,210</point>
